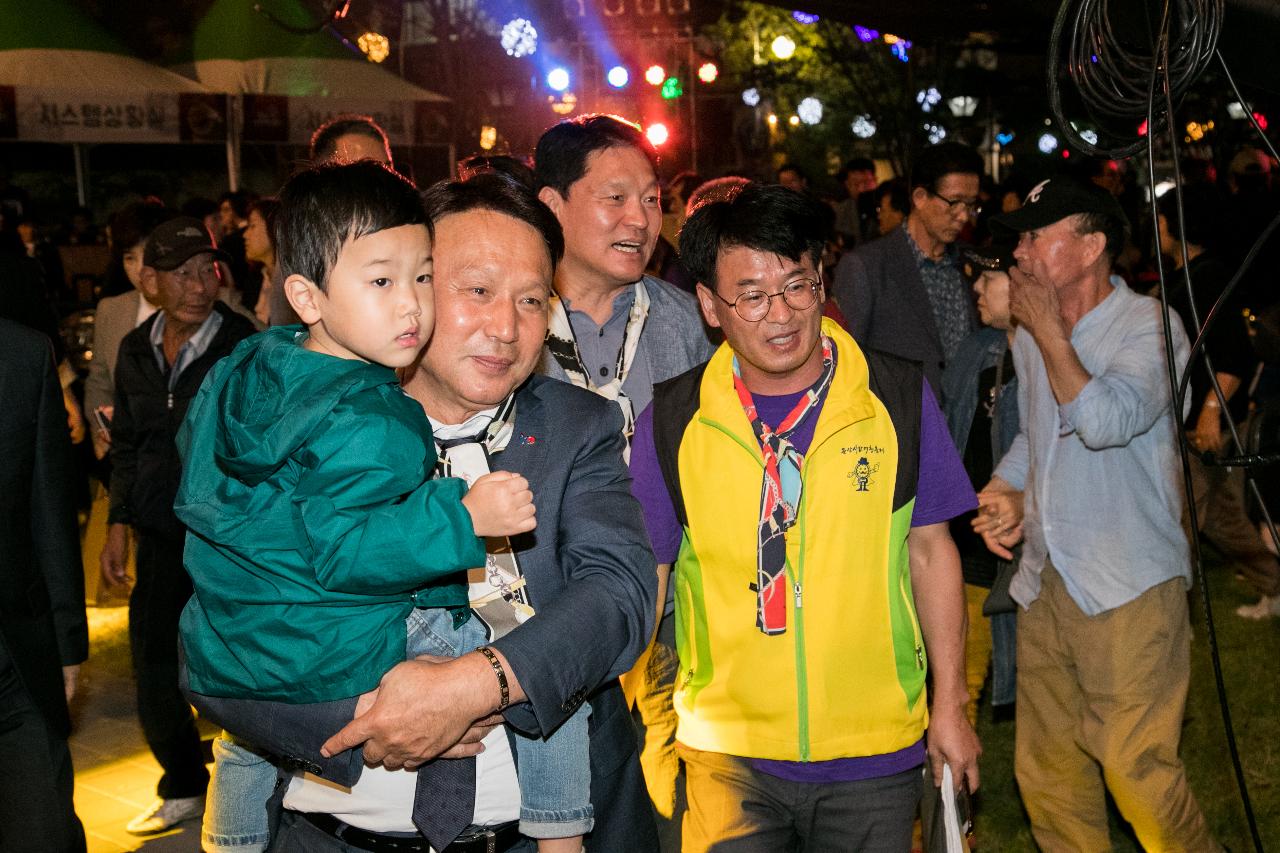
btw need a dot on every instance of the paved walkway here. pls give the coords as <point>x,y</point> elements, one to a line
<point>115,773</point>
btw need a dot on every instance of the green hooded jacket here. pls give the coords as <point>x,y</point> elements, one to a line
<point>314,526</point>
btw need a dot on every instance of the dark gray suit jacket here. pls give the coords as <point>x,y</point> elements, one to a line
<point>593,584</point>
<point>886,308</point>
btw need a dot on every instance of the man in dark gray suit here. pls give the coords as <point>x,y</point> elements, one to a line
<point>903,294</point>
<point>43,633</point>
<point>590,574</point>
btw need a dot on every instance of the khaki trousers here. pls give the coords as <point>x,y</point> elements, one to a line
<point>977,648</point>
<point>1100,701</point>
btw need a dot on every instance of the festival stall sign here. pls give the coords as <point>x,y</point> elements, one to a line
<point>279,119</point>
<point>41,114</point>
<point>63,78</point>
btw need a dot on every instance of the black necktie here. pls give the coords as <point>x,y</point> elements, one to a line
<point>443,444</point>
<point>445,799</point>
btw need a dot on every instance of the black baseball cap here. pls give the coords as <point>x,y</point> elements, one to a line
<point>1056,199</point>
<point>175,242</point>
<point>996,256</point>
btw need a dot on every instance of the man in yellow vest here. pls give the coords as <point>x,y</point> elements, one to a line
<point>801,488</point>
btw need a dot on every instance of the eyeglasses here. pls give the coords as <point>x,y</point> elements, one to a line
<point>969,208</point>
<point>753,305</point>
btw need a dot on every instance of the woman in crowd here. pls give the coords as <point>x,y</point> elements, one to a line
<point>259,247</point>
<point>979,390</point>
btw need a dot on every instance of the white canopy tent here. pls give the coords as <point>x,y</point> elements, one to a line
<point>65,79</point>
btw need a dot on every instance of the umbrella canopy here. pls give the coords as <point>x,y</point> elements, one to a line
<point>236,49</point>
<point>53,45</point>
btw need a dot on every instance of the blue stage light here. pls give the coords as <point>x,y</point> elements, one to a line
<point>618,77</point>
<point>558,79</point>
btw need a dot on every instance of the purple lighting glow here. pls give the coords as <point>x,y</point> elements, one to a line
<point>865,34</point>
<point>805,18</point>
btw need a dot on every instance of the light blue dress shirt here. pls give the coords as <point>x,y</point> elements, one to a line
<point>1104,496</point>
<point>195,346</point>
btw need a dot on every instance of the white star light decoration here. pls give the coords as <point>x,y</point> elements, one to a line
<point>519,37</point>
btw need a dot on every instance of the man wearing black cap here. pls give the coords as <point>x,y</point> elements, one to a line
<point>1103,636</point>
<point>159,370</point>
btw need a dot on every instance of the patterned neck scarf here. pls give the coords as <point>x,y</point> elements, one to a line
<point>780,493</point>
<point>497,590</point>
<point>563,347</point>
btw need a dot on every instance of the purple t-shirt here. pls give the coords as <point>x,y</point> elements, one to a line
<point>943,491</point>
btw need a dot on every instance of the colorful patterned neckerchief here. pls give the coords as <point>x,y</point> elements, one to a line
<point>780,493</point>
<point>563,347</point>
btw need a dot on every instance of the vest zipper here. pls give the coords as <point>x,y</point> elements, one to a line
<point>915,620</point>
<point>802,669</point>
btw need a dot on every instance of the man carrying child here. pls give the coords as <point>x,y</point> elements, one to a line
<point>323,550</point>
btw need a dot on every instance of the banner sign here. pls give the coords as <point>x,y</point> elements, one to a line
<point>273,118</point>
<point>34,114</point>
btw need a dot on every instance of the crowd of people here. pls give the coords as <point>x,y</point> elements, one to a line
<point>558,507</point>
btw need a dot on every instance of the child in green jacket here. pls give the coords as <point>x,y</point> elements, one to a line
<point>316,527</point>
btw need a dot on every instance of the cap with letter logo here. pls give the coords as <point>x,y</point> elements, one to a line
<point>1058,198</point>
<point>175,242</point>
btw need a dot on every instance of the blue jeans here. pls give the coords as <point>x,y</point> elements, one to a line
<point>1004,658</point>
<point>235,813</point>
<point>555,774</point>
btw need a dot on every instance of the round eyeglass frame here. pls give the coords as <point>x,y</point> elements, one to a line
<point>802,290</point>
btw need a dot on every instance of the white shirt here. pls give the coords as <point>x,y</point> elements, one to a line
<point>382,800</point>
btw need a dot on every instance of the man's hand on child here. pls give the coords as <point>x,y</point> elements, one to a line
<point>500,504</point>
<point>423,709</point>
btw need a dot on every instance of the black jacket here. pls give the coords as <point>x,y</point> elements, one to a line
<point>42,618</point>
<point>145,467</point>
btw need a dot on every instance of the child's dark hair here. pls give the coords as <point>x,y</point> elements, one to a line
<point>323,207</point>
<point>767,218</point>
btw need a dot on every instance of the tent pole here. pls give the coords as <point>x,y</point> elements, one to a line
<point>233,143</point>
<point>81,183</point>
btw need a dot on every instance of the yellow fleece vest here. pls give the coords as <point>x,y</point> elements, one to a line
<point>847,678</point>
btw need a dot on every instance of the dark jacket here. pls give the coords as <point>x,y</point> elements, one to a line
<point>1228,345</point>
<point>983,349</point>
<point>144,456</point>
<point>886,308</point>
<point>42,617</point>
<point>591,572</point>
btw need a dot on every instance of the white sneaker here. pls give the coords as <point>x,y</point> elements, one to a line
<point>1267,606</point>
<point>164,814</point>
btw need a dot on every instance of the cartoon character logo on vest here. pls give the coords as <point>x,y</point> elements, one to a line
<point>862,473</point>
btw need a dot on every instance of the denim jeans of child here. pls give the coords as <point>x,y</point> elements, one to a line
<point>235,815</point>
<point>555,774</point>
